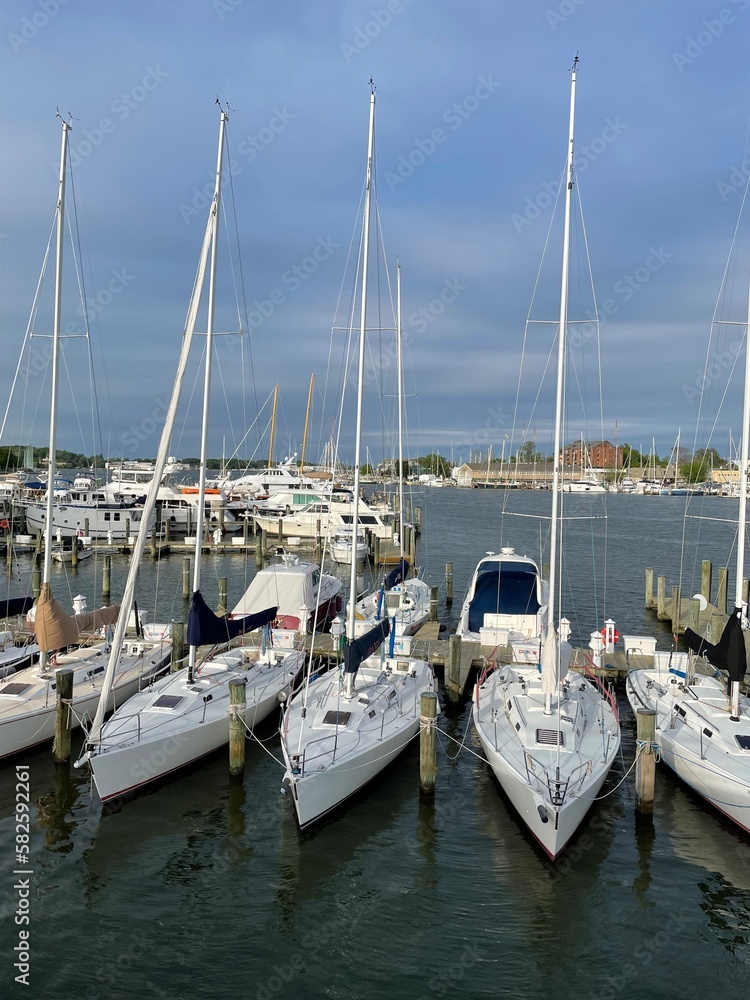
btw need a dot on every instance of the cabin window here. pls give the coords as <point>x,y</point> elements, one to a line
<point>315,578</point>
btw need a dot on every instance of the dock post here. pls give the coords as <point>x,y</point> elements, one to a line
<point>178,646</point>
<point>721,590</point>
<point>167,530</point>
<point>74,553</point>
<point>263,547</point>
<point>106,578</point>
<point>428,704</point>
<point>650,602</point>
<point>661,598</point>
<point>433,604</point>
<point>676,601</point>
<point>417,519</point>
<point>222,608</point>
<point>245,530</point>
<point>237,705</point>
<point>64,715</point>
<point>453,671</point>
<point>186,578</point>
<point>706,569</point>
<point>86,526</point>
<point>281,530</point>
<point>127,531</point>
<point>260,540</point>
<point>375,550</point>
<point>36,579</point>
<point>407,504</point>
<point>449,583</point>
<point>646,765</point>
<point>693,611</point>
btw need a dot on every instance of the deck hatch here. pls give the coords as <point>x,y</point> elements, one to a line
<point>14,688</point>
<point>743,742</point>
<point>336,718</point>
<point>168,701</point>
<point>550,737</point>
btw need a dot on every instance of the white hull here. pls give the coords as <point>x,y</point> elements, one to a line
<point>143,742</point>
<point>407,606</point>
<point>27,717</point>
<point>714,766</point>
<point>71,520</point>
<point>551,787</point>
<point>326,764</point>
<point>341,552</point>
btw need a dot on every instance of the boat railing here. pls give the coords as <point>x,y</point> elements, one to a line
<point>588,668</point>
<point>557,787</point>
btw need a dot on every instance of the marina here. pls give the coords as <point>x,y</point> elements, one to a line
<point>205,842</point>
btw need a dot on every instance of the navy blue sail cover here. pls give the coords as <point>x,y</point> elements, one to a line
<point>728,653</point>
<point>359,649</point>
<point>204,628</point>
<point>397,574</point>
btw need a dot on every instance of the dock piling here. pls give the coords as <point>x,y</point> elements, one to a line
<point>449,583</point>
<point>721,589</point>
<point>706,570</point>
<point>453,670</point>
<point>106,578</point>
<point>433,604</point>
<point>178,645</point>
<point>661,598</point>
<point>650,602</point>
<point>64,715</point>
<point>646,764</point>
<point>676,601</point>
<point>237,704</point>
<point>428,705</point>
<point>222,608</point>
<point>186,578</point>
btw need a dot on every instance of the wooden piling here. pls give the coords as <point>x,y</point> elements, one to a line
<point>453,670</point>
<point>237,704</point>
<point>74,554</point>
<point>650,602</point>
<point>63,715</point>
<point>676,598</point>
<point>260,548</point>
<point>86,527</point>
<point>245,530</point>
<point>693,611</point>
<point>167,530</point>
<point>106,578</point>
<point>661,598</point>
<point>417,520</point>
<point>36,579</point>
<point>706,569</point>
<point>127,531</point>
<point>222,608</point>
<point>646,765</point>
<point>721,589</point>
<point>375,550</point>
<point>433,604</point>
<point>178,646</point>
<point>186,578</point>
<point>263,547</point>
<point>449,583</point>
<point>281,530</point>
<point>428,705</point>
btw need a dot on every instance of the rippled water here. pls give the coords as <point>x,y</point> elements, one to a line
<point>207,889</point>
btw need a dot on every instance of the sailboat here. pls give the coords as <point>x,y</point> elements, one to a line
<point>702,718</point>
<point>404,600</point>
<point>344,727</point>
<point>183,717</point>
<point>549,735</point>
<point>27,700</point>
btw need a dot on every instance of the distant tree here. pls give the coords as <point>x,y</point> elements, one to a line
<point>435,464</point>
<point>365,470</point>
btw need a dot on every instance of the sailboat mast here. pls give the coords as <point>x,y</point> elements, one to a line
<point>307,421</point>
<point>214,223</point>
<point>554,543</point>
<point>400,414</point>
<point>361,368</point>
<point>56,324</point>
<point>273,426</point>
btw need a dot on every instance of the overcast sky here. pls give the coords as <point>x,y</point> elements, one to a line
<point>472,108</point>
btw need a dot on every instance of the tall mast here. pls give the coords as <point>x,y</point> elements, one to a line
<point>148,508</point>
<point>561,337</point>
<point>400,390</point>
<point>273,426</point>
<point>307,421</point>
<point>214,224</point>
<point>56,324</point>
<point>361,377</point>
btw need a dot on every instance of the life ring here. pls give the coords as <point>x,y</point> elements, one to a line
<point>4,525</point>
<point>616,635</point>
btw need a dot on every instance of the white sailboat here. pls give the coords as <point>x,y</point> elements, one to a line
<point>27,700</point>
<point>183,717</point>
<point>550,735</point>
<point>344,727</point>
<point>404,600</point>
<point>702,718</point>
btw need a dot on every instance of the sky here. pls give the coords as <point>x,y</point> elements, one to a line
<point>471,131</point>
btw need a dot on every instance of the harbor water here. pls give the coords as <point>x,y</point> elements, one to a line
<point>205,888</point>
